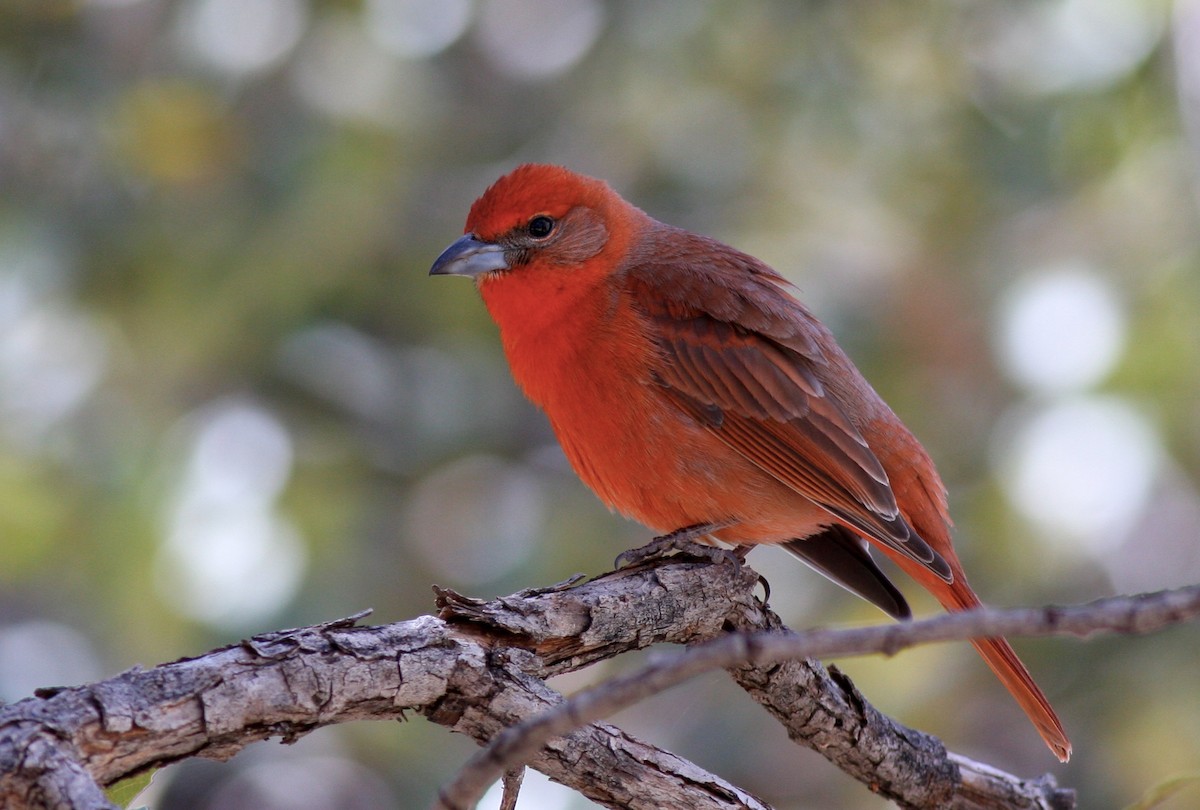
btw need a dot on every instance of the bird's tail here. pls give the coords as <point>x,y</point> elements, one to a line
<point>1003,661</point>
<point>918,487</point>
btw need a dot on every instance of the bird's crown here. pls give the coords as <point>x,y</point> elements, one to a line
<point>529,190</point>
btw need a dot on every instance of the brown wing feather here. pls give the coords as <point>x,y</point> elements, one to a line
<point>741,356</point>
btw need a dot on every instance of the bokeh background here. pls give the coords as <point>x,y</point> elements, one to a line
<point>231,400</point>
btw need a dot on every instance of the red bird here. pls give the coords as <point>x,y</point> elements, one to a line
<point>690,388</point>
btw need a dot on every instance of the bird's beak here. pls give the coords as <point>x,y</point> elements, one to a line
<point>469,256</point>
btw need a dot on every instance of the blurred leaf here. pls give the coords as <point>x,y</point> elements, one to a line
<point>1164,791</point>
<point>31,516</point>
<point>124,792</point>
<point>174,132</point>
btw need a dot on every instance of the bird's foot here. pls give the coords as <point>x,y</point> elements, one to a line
<point>682,541</point>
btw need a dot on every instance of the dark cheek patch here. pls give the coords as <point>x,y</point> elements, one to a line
<point>580,235</point>
<point>583,236</point>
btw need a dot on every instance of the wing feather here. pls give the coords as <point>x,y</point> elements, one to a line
<point>747,360</point>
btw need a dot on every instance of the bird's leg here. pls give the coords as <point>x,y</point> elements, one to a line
<point>684,541</point>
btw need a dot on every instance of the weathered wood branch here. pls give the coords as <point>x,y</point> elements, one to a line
<point>287,683</point>
<point>774,665</point>
<point>479,668</point>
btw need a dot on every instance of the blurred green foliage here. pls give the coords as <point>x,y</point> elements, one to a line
<point>231,400</point>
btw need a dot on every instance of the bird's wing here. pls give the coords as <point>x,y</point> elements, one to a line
<point>743,357</point>
<point>844,557</point>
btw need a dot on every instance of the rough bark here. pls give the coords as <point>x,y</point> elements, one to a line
<point>479,668</point>
<point>910,768</point>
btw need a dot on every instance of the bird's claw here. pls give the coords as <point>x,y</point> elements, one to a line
<point>681,541</point>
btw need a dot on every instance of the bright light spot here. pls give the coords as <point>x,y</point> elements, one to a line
<point>241,454</point>
<point>417,28</point>
<point>241,37</point>
<point>52,356</point>
<point>51,359</point>
<point>230,567</point>
<point>476,519</point>
<point>43,653</point>
<point>1071,44</point>
<point>1082,468</point>
<point>535,39</point>
<point>342,72</point>
<point>537,791</point>
<point>230,558</point>
<point>1062,330</point>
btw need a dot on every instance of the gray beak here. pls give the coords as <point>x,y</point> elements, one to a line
<point>468,256</point>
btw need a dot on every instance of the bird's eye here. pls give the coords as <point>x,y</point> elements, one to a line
<point>541,226</point>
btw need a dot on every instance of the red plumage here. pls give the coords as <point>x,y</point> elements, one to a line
<point>688,385</point>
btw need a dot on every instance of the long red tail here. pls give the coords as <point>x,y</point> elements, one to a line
<point>1017,680</point>
<point>1003,661</point>
<point>921,499</point>
<point>1000,657</point>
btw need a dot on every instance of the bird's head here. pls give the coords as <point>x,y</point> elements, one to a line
<point>535,214</point>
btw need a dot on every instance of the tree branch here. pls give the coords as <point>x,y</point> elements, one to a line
<point>927,778</point>
<point>908,767</point>
<point>287,683</point>
<point>479,667</point>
